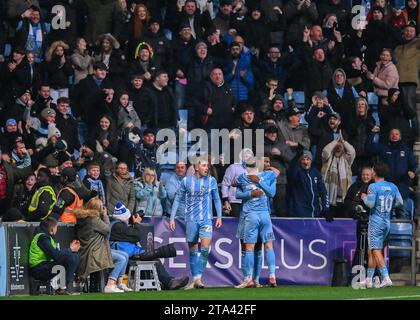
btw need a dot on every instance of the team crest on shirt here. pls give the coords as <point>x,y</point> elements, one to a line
<point>402,153</point>
<point>316,180</point>
<point>369,191</point>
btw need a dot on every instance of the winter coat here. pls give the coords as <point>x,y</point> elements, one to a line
<point>359,132</point>
<point>161,108</point>
<point>307,192</point>
<point>68,130</point>
<point>124,117</point>
<point>386,77</point>
<point>281,161</point>
<point>232,172</point>
<point>101,14</point>
<point>241,86</point>
<point>93,230</point>
<point>82,64</point>
<point>150,198</point>
<point>408,61</point>
<point>297,20</point>
<point>400,160</point>
<point>328,171</point>
<point>298,134</point>
<point>120,190</point>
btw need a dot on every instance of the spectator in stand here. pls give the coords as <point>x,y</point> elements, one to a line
<point>93,181</point>
<point>306,189</point>
<point>357,77</point>
<point>324,135</point>
<point>342,96</point>
<point>379,34</point>
<point>384,77</point>
<point>150,195</point>
<point>293,133</point>
<point>255,30</point>
<point>223,17</point>
<point>238,73</point>
<point>215,105</point>
<point>298,14</point>
<point>89,93</point>
<point>280,155</point>
<point>114,60</point>
<point>199,22</point>
<point>120,188</point>
<point>399,117</point>
<point>104,137</point>
<point>101,15</point>
<point>411,12</point>
<point>31,33</point>
<point>58,70</point>
<point>359,132</point>
<point>43,100</point>
<point>20,157</point>
<point>81,60</point>
<point>160,98</point>
<point>67,125</point>
<point>319,111</point>
<point>137,28</point>
<point>337,158</point>
<point>339,9</point>
<point>144,63</point>
<point>127,116</point>
<point>408,65</point>
<point>136,91</point>
<point>22,103</point>
<point>162,49</point>
<point>399,158</point>
<point>172,186</point>
<point>276,110</point>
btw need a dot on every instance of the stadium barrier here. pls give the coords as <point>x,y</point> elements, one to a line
<point>305,250</point>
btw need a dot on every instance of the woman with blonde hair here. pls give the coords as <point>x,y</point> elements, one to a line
<point>93,229</point>
<point>150,194</point>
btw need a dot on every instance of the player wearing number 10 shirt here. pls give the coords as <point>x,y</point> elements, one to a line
<point>382,198</point>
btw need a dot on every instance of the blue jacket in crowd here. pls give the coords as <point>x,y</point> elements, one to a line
<point>240,85</point>
<point>400,160</point>
<point>308,196</point>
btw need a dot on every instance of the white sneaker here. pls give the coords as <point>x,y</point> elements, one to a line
<point>376,282</point>
<point>124,288</point>
<point>386,282</point>
<point>112,289</point>
<point>367,284</point>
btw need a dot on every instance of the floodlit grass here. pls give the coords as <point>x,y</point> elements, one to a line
<point>279,293</point>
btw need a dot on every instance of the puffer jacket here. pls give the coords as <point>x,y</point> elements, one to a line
<point>93,231</point>
<point>149,198</point>
<point>386,77</point>
<point>408,61</point>
<point>241,86</point>
<point>120,190</point>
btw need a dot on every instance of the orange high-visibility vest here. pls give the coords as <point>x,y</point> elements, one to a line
<point>68,215</point>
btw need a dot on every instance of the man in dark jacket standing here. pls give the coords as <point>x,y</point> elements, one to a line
<point>399,158</point>
<point>67,125</point>
<point>216,105</point>
<point>160,97</point>
<point>307,193</point>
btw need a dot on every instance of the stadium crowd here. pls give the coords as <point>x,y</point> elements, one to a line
<point>85,88</point>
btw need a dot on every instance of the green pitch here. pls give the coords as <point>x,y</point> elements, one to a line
<point>280,293</point>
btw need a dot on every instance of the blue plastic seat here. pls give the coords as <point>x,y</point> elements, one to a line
<point>400,235</point>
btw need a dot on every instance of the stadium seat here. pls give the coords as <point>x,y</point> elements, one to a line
<point>298,96</point>
<point>372,100</point>
<point>400,235</point>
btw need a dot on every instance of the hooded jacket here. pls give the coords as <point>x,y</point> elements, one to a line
<point>342,99</point>
<point>408,60</point>
<point>120,190</point>
<point>92,230</point>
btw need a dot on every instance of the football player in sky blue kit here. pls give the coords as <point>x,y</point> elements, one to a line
<point>199,191</point>
<point>255,189</point>
<point>382,198</point>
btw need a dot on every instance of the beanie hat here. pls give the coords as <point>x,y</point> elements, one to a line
<point>306,154</point>
<point>47,112</point>
<point>11,122</point>
<point>121,213</point>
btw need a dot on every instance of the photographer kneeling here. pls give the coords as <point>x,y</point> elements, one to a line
<point>127,238</point>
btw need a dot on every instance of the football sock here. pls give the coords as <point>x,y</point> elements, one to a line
<point>271,260</point>
<point>257,265</point>
<point>194,263</point>
<point>370,272</point>
<point>204,256</point>
<point>384,272</point>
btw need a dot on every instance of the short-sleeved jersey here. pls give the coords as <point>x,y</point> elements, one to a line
<point>382,198</point>
<point>199,194</point>
<point>245,187</point>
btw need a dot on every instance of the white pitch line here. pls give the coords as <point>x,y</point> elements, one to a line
<point>395,297</point>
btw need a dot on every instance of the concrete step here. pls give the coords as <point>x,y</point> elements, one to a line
<point>404,277</point>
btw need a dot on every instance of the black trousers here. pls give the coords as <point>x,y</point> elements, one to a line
<point>69,260</point>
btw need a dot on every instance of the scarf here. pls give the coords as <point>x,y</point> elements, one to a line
<point>97,185</point>
<point>338,177</point>
<point>34,41</point>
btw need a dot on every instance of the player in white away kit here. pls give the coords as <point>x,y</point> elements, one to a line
<point>199,192</point>
<point>382,198</point>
